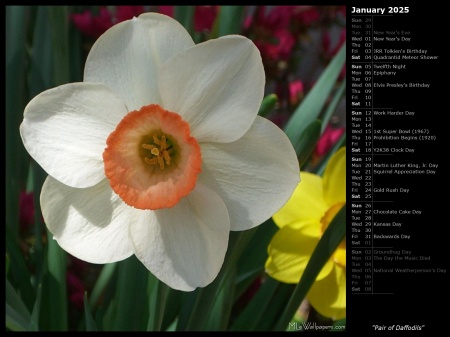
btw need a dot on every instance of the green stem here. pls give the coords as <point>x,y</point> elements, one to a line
<point>102,281</point>
<point>158,298</point>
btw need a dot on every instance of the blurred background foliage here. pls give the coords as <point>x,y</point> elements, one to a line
<point>303,52</point>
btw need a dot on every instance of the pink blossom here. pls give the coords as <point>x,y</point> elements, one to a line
<point>329,137</point>
<point>279,119</point>
<point>278,47</point>
<point>204,17</point>
<point>166,10</point>
<point>283,47</point>
<point>26,210</point>
<point>271,32</point>
<point>95,26</point>
<point>295,91</point>
<point>91,25</point>
<point>128,12</point>
<point>307,15</point>
<point>280,16</point>
<point>326,42</point>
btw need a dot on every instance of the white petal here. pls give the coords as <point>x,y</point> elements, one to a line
<point>126,57</point>
<point>255,176</point>
<point>216,86</point>
<point>185,245</point>
<point>89,223</point>
<point>65,131</point>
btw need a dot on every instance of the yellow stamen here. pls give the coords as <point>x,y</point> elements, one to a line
<point>160,150</point>
<point>156,140</point>
<point>148,146</point>
<point>166,157</point>
<point>152,161</point>
<point>160,162</point>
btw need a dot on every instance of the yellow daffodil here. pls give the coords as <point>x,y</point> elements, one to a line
<point>302,222</point>
<point>159,152</point>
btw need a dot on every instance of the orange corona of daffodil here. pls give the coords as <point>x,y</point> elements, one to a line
<point>302,222</point>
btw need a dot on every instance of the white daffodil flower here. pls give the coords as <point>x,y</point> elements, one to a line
<point>159,152</point>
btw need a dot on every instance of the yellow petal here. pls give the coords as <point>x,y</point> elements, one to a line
<point>305,207</point>
<point>340,255</point>
<point>334,178</point>
<point>328,296</point>
<point>289,253</point>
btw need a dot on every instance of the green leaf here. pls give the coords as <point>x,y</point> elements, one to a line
<point>205,297</point>
<point>40,76</point>
<point>14,321</point>
<point>19,313</point>
<point>60,44</point>
<point>39,177</point>
<point>172,309</point>
<point>17,18</point>
<point>245,280</point>
<point>252,260</point>
<point>267,105</point>
<point>30,180</point>
<point>90,323</point>
<point>6,264</point>
<point>249,318</point>
<point>34,320</point>
<point>204,302</point>
<point>132,306</point>
<point>158,292</point>
<point>54,287</point>
<point>106,304</point>
<point>106,314</point>
<point>188,302</point>
<point>221,310</point>
<point>315,100</point>
<point>230,20</point>
<point>185,16</point>
<point>103,280</point>
<point>76,55</point>
<point>322,165</point>
<point>306,141</point>
<point>172,327</point>
<point>20,274</point>
<point>331,109</point>
<point>330,240</point>
<point>275,307</point>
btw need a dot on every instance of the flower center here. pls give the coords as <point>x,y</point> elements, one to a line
<point>160,151</point>
<point>151,159</point>
<point>339,256</point>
